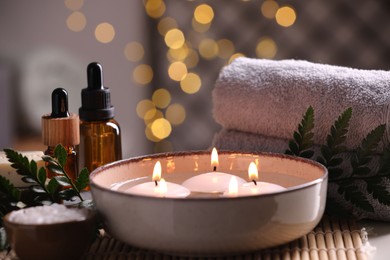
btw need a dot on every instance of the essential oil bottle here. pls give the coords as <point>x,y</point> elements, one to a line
<point>100,134</point>
<point>62,127</point>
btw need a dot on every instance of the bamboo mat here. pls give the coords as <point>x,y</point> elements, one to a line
<point>332,239</point>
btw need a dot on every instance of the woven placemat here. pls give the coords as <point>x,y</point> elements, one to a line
<point>331,239</point>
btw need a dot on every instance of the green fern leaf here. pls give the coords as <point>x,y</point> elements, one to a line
<point>303,138</point>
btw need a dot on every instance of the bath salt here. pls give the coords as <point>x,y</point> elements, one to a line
<point>55,213</point>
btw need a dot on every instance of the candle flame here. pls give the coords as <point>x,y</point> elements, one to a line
<point>233,186</point>
<point>214,159</point>
<point>157,172</point>
<point>253,172</point>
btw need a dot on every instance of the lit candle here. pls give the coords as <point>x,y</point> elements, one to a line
<point>251,188</point>
<point>158,187</point>
<point>211,182</point>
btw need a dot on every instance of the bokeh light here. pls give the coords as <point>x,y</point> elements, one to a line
<point>166,24</point>
<point>235,56</point>
<point>269,8</point>
<point>76,21</point>
<point>161,98</point>
<point>192,59</point>
<point>74,5</point>
<point>161,128</point>
<point>199,27</point>
<point>178,54</point>
<point>146,109</point>
<point>177,71</point>
<point>174,38</point>
<point>285,16</point>
<point>155,8</point>
<point>134,51</point>
<point>203,14</point>
<point>104,32</point>
<point>225,48</point>
<point>175,114</point>
<point>266,48</point>
<point>143,74</point>
<point>208,48</point>
<point>191,83</point>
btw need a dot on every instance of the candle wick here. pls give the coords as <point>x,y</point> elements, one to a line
<point>215,168</point>
<point>155,182</point>
<point>254,181</point>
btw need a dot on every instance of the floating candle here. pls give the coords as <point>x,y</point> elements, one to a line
<point>158,187</point>
<point>211,182</point>
<point>251,188</point>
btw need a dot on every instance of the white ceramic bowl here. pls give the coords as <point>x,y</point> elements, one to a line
<point>211,226</point>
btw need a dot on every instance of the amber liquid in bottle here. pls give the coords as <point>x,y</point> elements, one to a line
<point>100,143</point>
<point>71,166</point>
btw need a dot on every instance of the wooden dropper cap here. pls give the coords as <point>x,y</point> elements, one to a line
<point>60,127</point>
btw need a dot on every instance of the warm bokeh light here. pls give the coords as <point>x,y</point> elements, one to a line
<point>143,74</point>
<point>175,114</point>
<point>266,48</point>
<point>225,48</point>
<point>155,8</point>
<point>74,5</point>
<point>191,83</point>
<point>235,56</point>
<point>149,135</point>
<point>199,27</point>
<point>192,59</point>
<point>285,16</point>
<point>166,24</point>
<point>158,114</point>
<point>104,32</point>
<point>134,51</point>
<point>269,8</point>
<point>146,109</point>
<point>161,128</point>
<point>208,49</point>
<point>174,39</point>
<point>161,98</point>
<point>177,71</point>
<point>178,54</point>
<point>76,21</point>
<point>203,14</point>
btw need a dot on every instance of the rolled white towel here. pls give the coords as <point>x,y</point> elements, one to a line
<point>269,98</point>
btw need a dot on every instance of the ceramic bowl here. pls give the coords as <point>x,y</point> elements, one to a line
<point>208,226</point>
<point>67,240</point>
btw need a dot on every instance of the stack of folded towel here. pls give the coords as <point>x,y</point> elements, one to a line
<point>260,103</point>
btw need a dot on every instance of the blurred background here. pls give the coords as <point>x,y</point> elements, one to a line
<point>162,57</point>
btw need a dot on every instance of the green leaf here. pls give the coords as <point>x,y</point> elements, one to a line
<point>384,162</point>
<point>55,169</point>
<point>42,176</point>
<point>61,154</point>
<point>372,140</point>
<point>29,180</point>
<point>62,180</point>
<point>378,190</point>
<point>37,189</point>
<point>52,186</point>
<point>49,159</point>
<point>356,197</point>
<point>303,138</point>
<point>67,194</point>
<point>33,166</point>
<point>83,179</point>
<point>9,190</point>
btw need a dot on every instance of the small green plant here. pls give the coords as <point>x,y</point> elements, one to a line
<point>348,181</point>
<point>42,190</point>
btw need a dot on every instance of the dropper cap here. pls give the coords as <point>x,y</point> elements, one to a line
<point>60,126</point>
<point>95,99</point>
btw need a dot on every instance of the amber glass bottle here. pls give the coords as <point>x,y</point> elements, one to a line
<point>100,135</point>
<point>62,127</point>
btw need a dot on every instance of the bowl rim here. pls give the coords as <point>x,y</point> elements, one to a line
<point>306,185</point>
